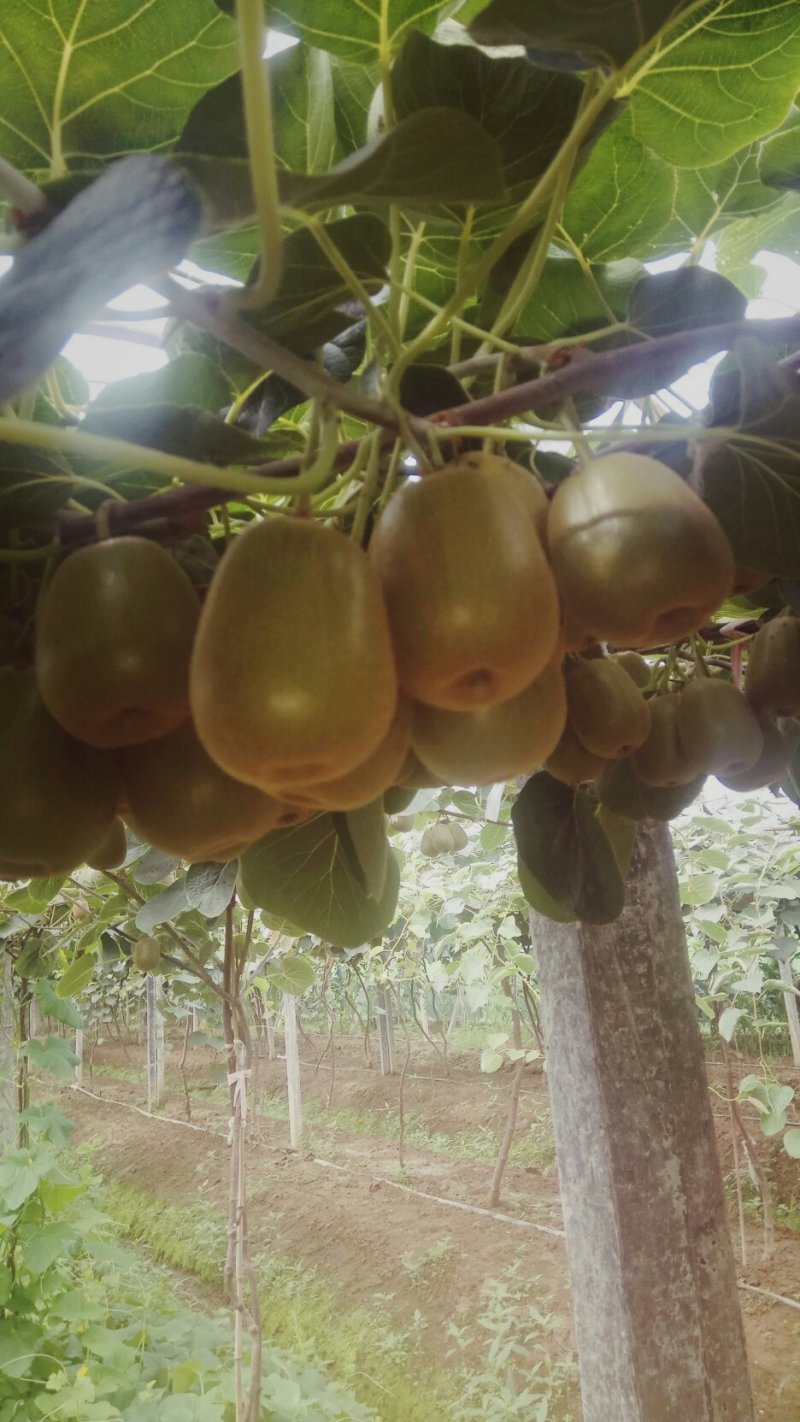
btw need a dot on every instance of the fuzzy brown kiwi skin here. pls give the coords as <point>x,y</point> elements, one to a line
<point>662,759</point>
<point>770,766</point>
<point>772,679</point>
<point>717,727</point>
<point>639,559</point>
<point>607,712</point>
<point>471,597</point>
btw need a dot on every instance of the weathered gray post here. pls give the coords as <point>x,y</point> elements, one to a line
<point>657,1317</point>
<point>8,1084</point>
<point>155,1043</point>
<point>293,1071</point>
<point>385,1031</point>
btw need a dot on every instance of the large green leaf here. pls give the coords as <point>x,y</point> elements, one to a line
<point>629,202</point>
<point>209,887</point>
<point>567,852</point>
<point>779,159</point>
<point>51,1054</point>
<point>570,297</point>
<point>663,303</point>
<point>600,32</point>
<point>362,835</point>
<point>57,1005</point>
<point>354,30</point>
<point>304,127</point>
<point>164,906</point>
<point>303,314</point>
<point>77,976</point>
<point>776,229</point>
<point>304,875</point>
<point>433,156</point>
<point>188,379</point>
<point>293,974</point>
<point>753,484</point>
<point>722,78</point>
<point>527,111</point>
<point>82,82</point>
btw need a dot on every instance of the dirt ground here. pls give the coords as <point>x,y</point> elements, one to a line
<point>368,1236</point>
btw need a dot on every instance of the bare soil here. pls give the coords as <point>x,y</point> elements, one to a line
<point>369,1237</point>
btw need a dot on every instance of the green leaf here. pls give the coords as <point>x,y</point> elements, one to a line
<point>777,230</point>
<point>727,76</point>
<point>154,866</point>
<point>754,488</point>
<point>570,297</point>
<point>304,313</point>
<point>621,831</point>
<point>82,83</point>
<point>463,165</point>
<point>54,1004</point>
<point>304,132</point>
<point>779,160</point>
<point>51,1054</point>
<point>302,874</point>
<point>365,846</point>
<point>210,887</point>
<point>699,889</point>
<point>188,379</point>
<point>539,899</point>
<point>42,1245</point>
<point>185,430</point>
<point>603,32</point>
<point>791,1142</point>
<point>490,1061</point>
<point>165,906</point>
<point>527,111</point>
<point>492,837</point>
<point>33,960</point>
<point>663,303</point>
<point>627,202</point>
<point>353,31</point>
<point>35,896</point>
<point>293,974</point>
<point>728,1021</point>
<point>562,845</point>
<point>78,976</point>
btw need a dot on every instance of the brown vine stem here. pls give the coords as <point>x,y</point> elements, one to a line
<point>597,372</point>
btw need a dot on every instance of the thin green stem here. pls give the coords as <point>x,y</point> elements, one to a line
<point>464,238</point>
<point>517,224</point>
<point>351,280</point>
<point>368,489</point>
<point>529,274</point>
<point>261,150</point>
<point>409,272</point>
<point>76,443</point>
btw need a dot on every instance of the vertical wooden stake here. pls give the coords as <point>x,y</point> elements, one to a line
<point>8,1086</point>
<point>79,1055</point>
<point>792,1012</point>
<point>385,1031</point>
<point>293,1071</point>
<point>155,1044</point>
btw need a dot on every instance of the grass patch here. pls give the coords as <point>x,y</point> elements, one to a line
<point>534,1147</point>
<point>517,1376</point>
<point>363,1350</point>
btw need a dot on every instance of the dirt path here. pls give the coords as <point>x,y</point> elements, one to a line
<point>370,1238</point>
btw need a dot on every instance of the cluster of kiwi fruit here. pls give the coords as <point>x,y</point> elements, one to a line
<point>316,674</point>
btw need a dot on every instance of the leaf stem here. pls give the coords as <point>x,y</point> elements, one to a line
<point>261,151</point>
